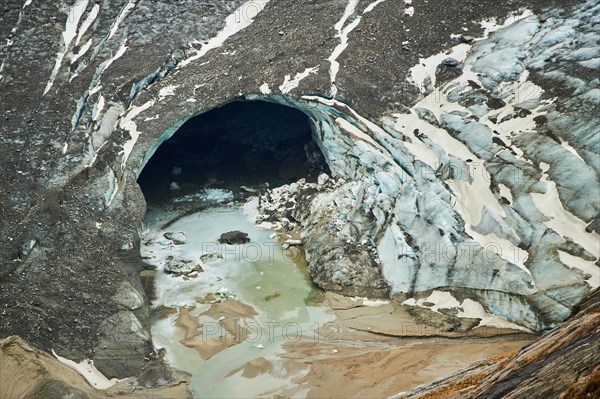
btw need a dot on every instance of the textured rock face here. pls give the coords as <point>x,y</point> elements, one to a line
<point>479,183</point>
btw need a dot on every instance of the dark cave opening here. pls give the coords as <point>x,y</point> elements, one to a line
<point>243,143</point>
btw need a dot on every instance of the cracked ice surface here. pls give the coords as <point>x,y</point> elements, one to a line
<point>486,158</point>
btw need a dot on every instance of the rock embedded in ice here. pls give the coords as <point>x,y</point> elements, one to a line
<point>181,266</point>
<point>210,257</point>
<point>234,238</point>
<point>178,237</point>
<point>293,242</point>
<point>322,179</point>
<point>165,242</point>
<point>450,62</point>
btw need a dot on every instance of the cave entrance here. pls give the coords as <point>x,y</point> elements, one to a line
<point>238,148</point>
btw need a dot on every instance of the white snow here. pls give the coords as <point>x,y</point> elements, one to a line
<point>167,91</point>
<point>373,303</point>
<point>122,15</point>
<point>343,29</point>
<point>82,51</point>
<point>264,89</point>
<point>563,222</point>
<point>290,84</point>
<point>342,33</point>
<point>88,371</point>
<point>73,16</point>
<point>409,11</point>
<point>87,23</point>
<point>235,22</point>
<point>572,150</point>
<point>467,309</point>
<point>371,6</point>
<point>98,108</point>
<point>427,66</point>
<point>586,266</point>
<point>128,124</point>
<point>471,198</point>
<point>95,84</point>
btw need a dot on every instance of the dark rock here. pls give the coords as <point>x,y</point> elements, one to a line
<point>495,103</point>
<point>594,226</point>
<point>522,112</point>
<point>450,62</point>
<point>446,71</point>
<point>234,238</point>
<point>541,120</point>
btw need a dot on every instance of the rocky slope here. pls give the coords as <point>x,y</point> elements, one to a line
<point>463,169</point>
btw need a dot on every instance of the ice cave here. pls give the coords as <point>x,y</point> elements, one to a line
<point>299,199</point>
<point>249,144</point>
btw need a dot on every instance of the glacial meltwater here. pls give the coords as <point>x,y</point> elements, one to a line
<point>204,323</point>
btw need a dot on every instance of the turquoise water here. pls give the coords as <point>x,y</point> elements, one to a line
<point>260,274</point>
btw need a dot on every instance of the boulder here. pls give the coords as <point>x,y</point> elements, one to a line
<point>234,238</point>
<point>178,237</point>
<point>181,266</point>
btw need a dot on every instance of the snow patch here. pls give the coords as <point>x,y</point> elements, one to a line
<point>81,52</point>
<point>121,17</point>
<point>342,33</point>
<point>167,91</point>
<point>585,266</point>
<point>128,124</point>
<point>73,16</point>
<point>235,22</point>
<point>264,89</point>
<point>563,222</point>
<point>467,309</point>
<point>87,23</point>
<point>88,371</point>
<point>290,84</point>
